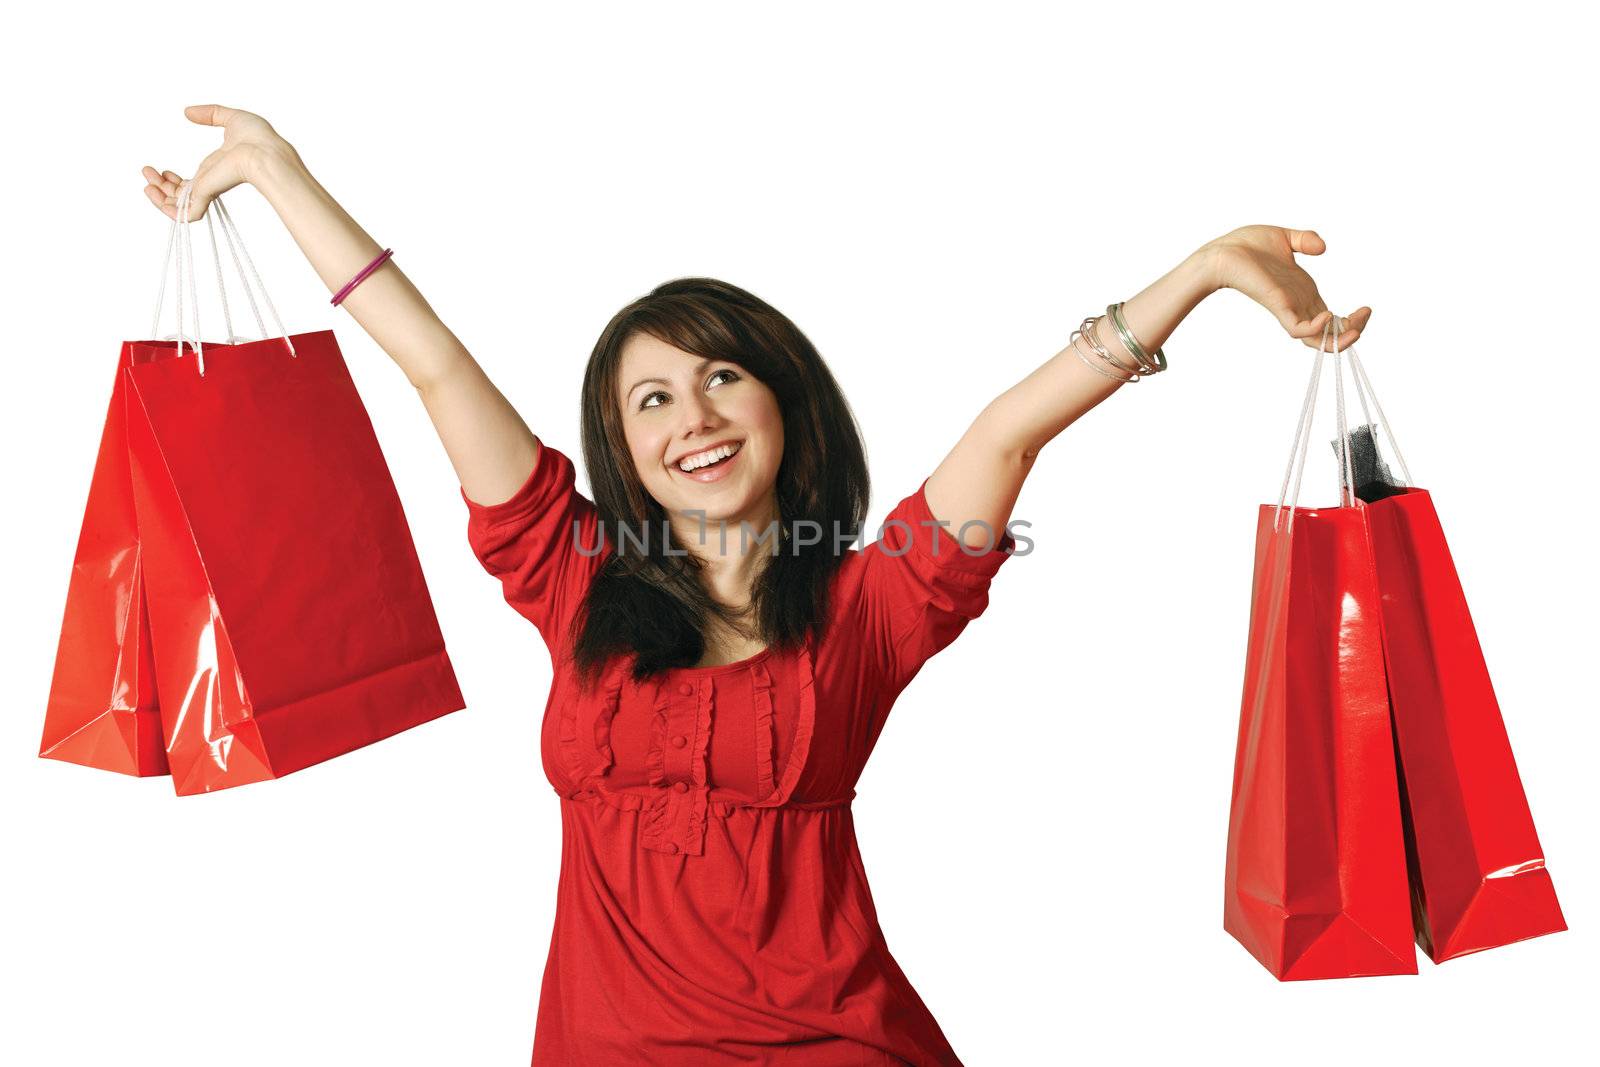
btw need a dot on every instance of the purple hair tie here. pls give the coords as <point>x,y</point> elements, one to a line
<point>359,278</point>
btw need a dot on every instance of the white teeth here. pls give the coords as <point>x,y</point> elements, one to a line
<point>701,459</point>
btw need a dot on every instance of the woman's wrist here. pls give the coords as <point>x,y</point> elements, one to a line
<point>1153,313</point>
<point>1202,271</point>
<point>274,168</point>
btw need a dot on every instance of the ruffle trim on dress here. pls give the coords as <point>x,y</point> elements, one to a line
<point>675,820</point>
<point>761,678</point>
<point>584,763</point>
<point>702,734</point>
<point>671,821</point>
<point>805,723</point>
<point>655,759</point>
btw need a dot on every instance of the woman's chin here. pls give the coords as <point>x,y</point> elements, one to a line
<point>722,502</point>
<point>713,504</point>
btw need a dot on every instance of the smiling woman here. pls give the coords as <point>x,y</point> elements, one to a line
<point>714,699</point>
<point>699,368</point>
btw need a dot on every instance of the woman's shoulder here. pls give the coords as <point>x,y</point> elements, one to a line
<point>848,569</point>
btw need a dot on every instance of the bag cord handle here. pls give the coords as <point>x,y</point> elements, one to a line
<point>1302,438</point>
<point>178,241</point>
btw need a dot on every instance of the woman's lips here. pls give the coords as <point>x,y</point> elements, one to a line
<point>713,473</point>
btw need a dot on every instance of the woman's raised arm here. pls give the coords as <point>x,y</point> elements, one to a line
<point>491,448</point>
<point>978,482</point>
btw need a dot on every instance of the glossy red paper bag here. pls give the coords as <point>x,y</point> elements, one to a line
<point>1478,878</point>
<point>1316,867</point>
<point>288,611</point>
<point>102,706</point>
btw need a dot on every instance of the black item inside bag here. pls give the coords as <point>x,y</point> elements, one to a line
<point>1372,477</point>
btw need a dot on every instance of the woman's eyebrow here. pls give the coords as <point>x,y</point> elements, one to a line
<point>698,367</point>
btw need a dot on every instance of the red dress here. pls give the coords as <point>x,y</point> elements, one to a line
<point>712,907</point>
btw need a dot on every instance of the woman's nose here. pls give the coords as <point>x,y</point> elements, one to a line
<point>698,414</point>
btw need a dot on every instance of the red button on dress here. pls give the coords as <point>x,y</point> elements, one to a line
<point>713,908</point>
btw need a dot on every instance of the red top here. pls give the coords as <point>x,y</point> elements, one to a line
<point>713,908</point>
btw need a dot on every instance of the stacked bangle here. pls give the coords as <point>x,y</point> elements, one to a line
<point>1144,364</point>
<point>1151,364</point>
<point>1091,334</point>
<point>1085,330</point>
<point>338,297</point>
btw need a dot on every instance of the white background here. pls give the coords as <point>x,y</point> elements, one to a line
<point>936,196</point>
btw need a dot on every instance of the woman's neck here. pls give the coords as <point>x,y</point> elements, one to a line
<point>734,549</point>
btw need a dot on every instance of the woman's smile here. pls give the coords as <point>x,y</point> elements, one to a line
<point>710,465</point>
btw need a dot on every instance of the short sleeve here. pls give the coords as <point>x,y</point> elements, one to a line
<point>921,586</point>
<point>542,544</point>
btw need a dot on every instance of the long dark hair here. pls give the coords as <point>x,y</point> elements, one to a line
<point>652,603</point>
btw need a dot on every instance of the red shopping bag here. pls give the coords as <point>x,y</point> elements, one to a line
<point>102,708</point>
<point>287,605</point>
<point>286,610</point>
<point>1316,869</point>
<point>1316,866</point>
<point>1478,878</point>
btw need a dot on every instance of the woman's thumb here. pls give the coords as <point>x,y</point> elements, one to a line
<point>1307,242</point>
<point>208,114</point>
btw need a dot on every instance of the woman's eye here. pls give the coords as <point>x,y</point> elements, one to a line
<point>646,401</point>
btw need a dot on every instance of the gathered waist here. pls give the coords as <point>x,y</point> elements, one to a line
<point>627,800</point>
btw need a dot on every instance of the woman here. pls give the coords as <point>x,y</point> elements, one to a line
<point>723,661</point>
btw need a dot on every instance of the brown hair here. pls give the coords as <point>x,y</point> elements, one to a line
<point>652,603</point>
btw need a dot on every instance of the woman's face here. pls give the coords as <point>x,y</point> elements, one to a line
<point>678,407</point>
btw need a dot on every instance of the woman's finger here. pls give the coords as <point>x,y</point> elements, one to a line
<point>159,199</point>
<point>1351,329</point>
<point>1356,319</point>
<point>209,114</point>
<point>1355,325</point>
<point>1308,328</point>
<point>1307,242</point>
<point>157,190</point>
<point>168,183</point>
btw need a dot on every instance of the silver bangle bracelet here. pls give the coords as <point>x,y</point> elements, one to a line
<point>1152,364</point>
<point>1072,343</point>
<point>1088,328</point>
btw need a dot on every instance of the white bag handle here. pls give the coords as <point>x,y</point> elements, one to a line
<point>179,247</point>
<point>185,269</point>
<point>1302,437</point>
<point>1361,380</point>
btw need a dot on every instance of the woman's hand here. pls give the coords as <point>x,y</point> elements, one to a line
<point>1259,262</point>
<point>248,143</point>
